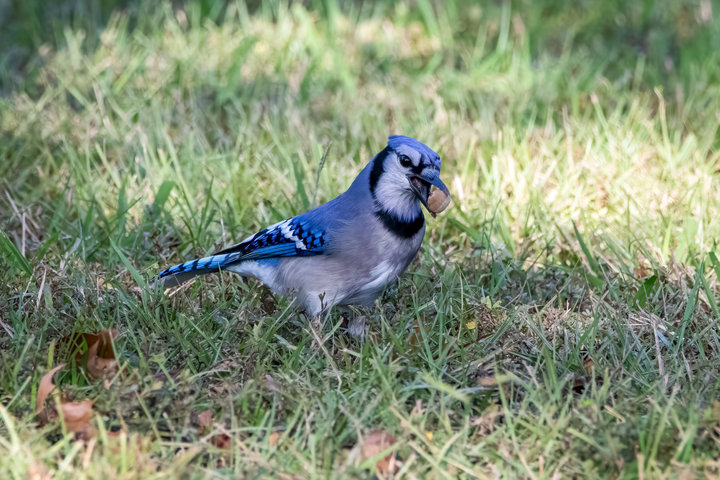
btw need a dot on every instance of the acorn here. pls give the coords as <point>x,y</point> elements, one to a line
<point>438,201</point>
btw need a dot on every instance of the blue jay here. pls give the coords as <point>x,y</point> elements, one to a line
<point>346,251</point>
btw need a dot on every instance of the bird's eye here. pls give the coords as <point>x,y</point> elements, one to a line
<point>405,161</point>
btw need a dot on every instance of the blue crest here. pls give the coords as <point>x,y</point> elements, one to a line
<point>429,155</point>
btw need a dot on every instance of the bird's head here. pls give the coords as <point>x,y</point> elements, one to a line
<point>402,176</point>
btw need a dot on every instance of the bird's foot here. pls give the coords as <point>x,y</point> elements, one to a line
<point>358,327</point>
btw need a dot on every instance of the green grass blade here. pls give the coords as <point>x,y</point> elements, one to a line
<point>299,172</point>
<point>644,291</point>
<point>162,195</point>
<point>129,266</point>
<point>594,265</point>
<point>13,255</point>
<point>689,310</point>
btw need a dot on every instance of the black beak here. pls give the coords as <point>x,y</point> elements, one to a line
<point>421,187</point>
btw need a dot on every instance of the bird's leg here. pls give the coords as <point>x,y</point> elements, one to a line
<point>319,318</point>
<point>358,327</point>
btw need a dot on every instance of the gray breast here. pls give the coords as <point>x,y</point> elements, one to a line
<point>363,258</point>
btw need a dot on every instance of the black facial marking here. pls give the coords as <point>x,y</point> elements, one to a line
<point>417,169</point>
<point>378,168</point>
<point>401,228</point>
<point>408,163</point>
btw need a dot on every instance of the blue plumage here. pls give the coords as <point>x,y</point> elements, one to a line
<point>397,141</point>
<point>347,250</point>
<point>293,237</point>
<point>290,238</point>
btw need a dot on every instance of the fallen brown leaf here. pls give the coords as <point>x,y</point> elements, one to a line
<point>99,367</point>
<point>268,303</point>
<point>104,339</point>
<point>76,416</point>
<point>487,381</point>
<point>643,268</point>
<point>229,365</point>
<point>274,438</point>
<point>373,444</point>
<point>217,389</point>
<point>101,361</point>
<point>162,376</point>
<point>46,386</point>
<point>221,441</point>
<point>205,419</point>
<point>486,423</point>
<point>39,471</point>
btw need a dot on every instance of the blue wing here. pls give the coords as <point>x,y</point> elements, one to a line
<point>294,237</point>
<point>290,238</point>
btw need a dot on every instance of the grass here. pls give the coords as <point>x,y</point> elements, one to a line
<point>560,321</point>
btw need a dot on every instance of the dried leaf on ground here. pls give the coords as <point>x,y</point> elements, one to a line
<point>101,359</point>
<point>274,438</point>
<point>46,386</point>
<point>587,360</point>
<point>99,367</point>
<point>375,443</point>
<point>486,423</point>
<point>643,268</point>
<point>75,415</point>
<point>487,381</point>
<point>221,441</point>
<point>205,419</point>
<point>582,380</point>
<point>104,340</point>
<point>271,384</point>
<point>39,471</point>
<point>268,303</point>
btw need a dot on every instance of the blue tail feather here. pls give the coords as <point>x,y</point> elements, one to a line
<point>182,272</point>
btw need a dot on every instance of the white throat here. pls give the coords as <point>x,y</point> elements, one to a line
<point>394,195</point>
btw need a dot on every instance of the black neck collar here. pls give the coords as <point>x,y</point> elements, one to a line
<point>399,226</point>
